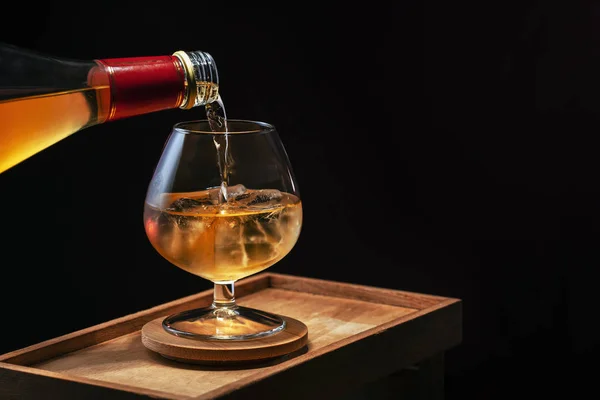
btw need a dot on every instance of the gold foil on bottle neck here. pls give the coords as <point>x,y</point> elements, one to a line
<point>192,89</point>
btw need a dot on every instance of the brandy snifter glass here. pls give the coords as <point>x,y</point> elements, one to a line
<point>223,206</point>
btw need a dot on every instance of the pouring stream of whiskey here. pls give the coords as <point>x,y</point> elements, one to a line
<point>217,120</point>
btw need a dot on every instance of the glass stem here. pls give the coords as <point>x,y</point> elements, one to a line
<point>224,295</point>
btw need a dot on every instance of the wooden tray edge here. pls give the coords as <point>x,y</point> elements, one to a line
<point>42,382</point>
<point>393,297</point>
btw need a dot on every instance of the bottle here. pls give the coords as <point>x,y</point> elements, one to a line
<point>44,99</point>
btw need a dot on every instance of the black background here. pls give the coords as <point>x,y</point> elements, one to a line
<point>440,147</point>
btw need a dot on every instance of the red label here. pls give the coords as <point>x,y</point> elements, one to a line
<point>141,85</point>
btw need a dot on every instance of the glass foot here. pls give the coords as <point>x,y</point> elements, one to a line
<point>217,322</point>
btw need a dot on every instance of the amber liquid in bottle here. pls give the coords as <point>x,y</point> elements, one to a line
<point>33,123</point>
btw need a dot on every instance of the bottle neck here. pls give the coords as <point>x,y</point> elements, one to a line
<point>202,78</point>
<point>141,85</point>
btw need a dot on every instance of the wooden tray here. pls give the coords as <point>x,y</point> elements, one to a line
<point>356,334</point>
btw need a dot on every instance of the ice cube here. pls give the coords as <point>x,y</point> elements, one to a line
<point>260,198</point>
<point>193,200</point>
<point>185,204</point>
<point>228,243</point>
<point>233,192</point>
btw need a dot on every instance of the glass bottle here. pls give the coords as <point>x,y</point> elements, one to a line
<point>44,99</point>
